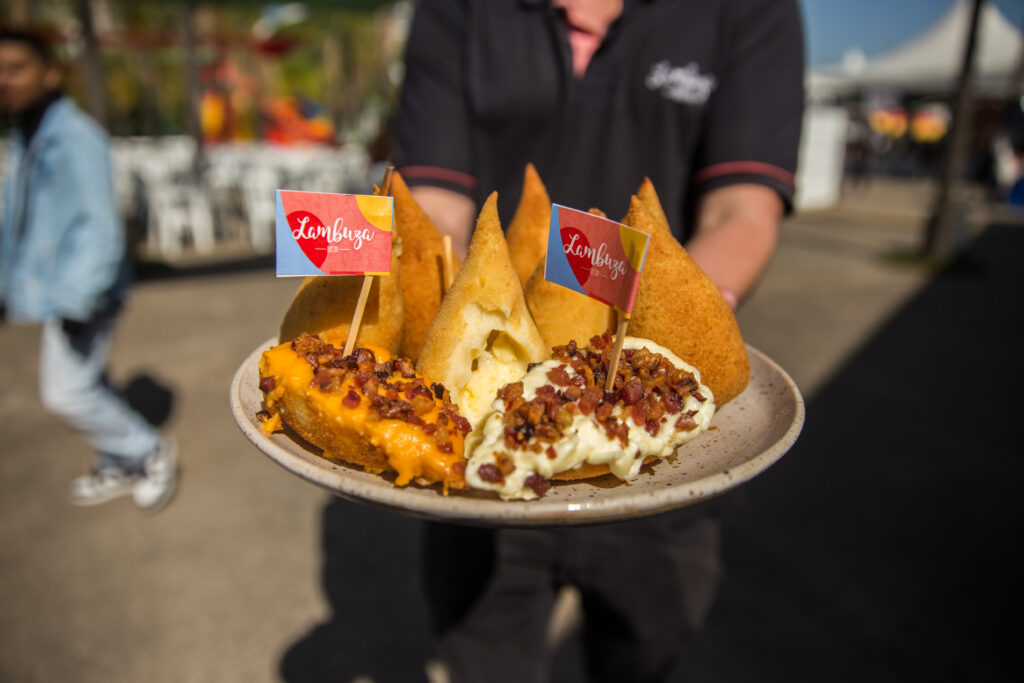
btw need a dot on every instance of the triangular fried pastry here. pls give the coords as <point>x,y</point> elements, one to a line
<point>423,275</point>
<point>563,315</point>
<point>528,231</point>
<point>679,307</point>
<point>324,306</point>
<point>483,336</point>
<point>649,196</point>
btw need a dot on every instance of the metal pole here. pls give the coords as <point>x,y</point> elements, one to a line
<point>186,18</point>
<point>92,65</point>
<point>944,230</point>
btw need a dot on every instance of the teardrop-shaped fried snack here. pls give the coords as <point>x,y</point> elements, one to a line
<point>483,336</point>
<point>324,305</point>
<point>562,314</point>
<point>423,274</point>
<point>679,307</point>
<point>649,196</point>
<point>528,231</point>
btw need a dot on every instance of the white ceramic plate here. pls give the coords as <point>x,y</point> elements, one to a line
<point>747,436</point>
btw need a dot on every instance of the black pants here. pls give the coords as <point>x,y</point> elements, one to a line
<point>646,585</point>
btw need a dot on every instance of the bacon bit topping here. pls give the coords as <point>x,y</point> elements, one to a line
<point>364,356</point>
<point>592,395</point>
<point>685,422</point>
<point>632,391</point>
<point>539,484</point>
<point>506,465</point>
<point>647,385</point>
<point>462,424</point>
<point>490,473</point>
<point>263,415</point>
<point>267,384</point>
<point>404,366</point>
<point>392,388</point>
<point>559,376</point>
<point>511,393</point>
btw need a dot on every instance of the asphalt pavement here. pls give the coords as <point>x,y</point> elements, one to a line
<point>875,550</point>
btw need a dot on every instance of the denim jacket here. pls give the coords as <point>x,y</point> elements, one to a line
<point>62,242</point>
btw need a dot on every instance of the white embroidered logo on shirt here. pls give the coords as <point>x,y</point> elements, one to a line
<point>683,84</point>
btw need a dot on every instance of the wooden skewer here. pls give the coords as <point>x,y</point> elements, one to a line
<point>446,275</point>
<point>385,184</point>
<point>613,365</point>
<point>357,317</point>
<point>364,291</point>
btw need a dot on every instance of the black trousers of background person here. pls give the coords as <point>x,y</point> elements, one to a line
<point>646,586</point>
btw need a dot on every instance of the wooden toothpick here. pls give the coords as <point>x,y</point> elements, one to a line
<point>364,291</point>
<point>446,276</point>
<point>613,364</point>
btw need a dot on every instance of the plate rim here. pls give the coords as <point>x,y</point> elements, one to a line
<point>350,484</point>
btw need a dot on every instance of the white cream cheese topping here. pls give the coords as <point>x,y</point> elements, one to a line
<point>585,441</point>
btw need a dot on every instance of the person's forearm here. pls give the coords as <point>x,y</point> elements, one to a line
<point>736,237</point>
<point>451,212</point>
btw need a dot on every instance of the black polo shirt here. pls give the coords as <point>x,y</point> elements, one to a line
<point>695,94</point>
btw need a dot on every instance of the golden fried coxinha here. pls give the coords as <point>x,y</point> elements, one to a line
<point>528,231</point>
<point>679,307</point>
<point>483,336</point>
<point>423,267</point>
<point>324,305</point>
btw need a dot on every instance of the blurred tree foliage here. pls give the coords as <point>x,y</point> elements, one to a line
<point>337,59</point>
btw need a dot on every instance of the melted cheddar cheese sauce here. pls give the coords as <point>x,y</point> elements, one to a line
<point>410,451</point>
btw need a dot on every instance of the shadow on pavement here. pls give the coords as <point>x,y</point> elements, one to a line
<point>151,399</point>
<point>877,548</point>
<point>146,270</point>
<point>378,623</point>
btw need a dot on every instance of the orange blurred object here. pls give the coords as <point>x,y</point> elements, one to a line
<point>891,122</point>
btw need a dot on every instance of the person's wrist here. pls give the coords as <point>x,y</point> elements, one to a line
<point>730,297</point>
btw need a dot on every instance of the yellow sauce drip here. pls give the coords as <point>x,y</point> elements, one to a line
<point>409,450</point>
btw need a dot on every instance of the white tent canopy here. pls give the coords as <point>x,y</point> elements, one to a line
<point>930,62</point>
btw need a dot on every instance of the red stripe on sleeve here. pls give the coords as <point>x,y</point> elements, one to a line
<point>734,167</point>
<point>438,173</point>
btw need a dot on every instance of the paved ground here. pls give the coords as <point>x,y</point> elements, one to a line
<point>873,551</point>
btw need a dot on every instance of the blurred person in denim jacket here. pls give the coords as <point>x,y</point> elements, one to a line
<point>64,264</point>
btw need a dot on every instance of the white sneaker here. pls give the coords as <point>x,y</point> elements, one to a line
<point>102,485</point>
<point>155,487</point>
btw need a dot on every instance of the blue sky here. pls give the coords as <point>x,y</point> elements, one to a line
<point>833,26</point>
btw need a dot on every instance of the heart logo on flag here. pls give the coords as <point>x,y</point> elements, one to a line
<point>575,245</point>
<point>315,248</point>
